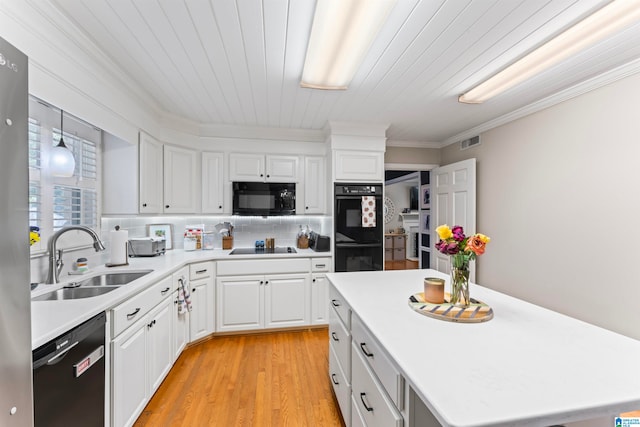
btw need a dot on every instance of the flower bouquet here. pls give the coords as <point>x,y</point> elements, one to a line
<point>462,249</point>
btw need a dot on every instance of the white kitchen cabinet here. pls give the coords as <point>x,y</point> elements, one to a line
<point>129,392</point>
<point>213,183</point>
<point>180,180</point>
<point>263,168</point>
<point>257,302</point>
<point>320,291</point>
<point>159,345</point>
<point>363,166</point>
<point>141,357</point>
<point>180,319</point>
<point>150,174</point>
<point>315,195</point>
<point>202,284</point>
<point>319,299</point>
<point>239,303</point>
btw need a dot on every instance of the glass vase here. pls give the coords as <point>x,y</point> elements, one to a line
<point>460,282</point>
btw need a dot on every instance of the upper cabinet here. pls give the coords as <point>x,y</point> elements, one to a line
<point>263,168</point>
<point>168,178</point>
<point>151,174</point>
<point>213,183</point>
<point>314,185</point>
<point>364,166</point>
<point>181,182</point>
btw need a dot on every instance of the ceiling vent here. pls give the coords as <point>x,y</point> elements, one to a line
<point>471,142</point>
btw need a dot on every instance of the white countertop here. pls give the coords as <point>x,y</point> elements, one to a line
<point>528,366</point>
<point>50,319</point>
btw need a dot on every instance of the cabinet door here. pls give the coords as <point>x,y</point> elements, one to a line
<point>246,167</point>
<point>129,375</point>
<point>239,303</point>
<point>180,180</point>
<point>212,182</point>
<point>359,166</point>
<point>287,300</point>
<point>180,320</point>
<point>319,299</point>
<point>159,345</point>
<point>199,316</point>
<point>282,168</point>
<point>150,175</point>
<point>314,185</point>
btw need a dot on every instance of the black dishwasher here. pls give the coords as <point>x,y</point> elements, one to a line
<point>69,377</point>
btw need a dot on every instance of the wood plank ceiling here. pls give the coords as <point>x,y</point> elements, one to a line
<point>239,62</point>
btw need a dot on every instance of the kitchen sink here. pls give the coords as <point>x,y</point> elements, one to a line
<point>114,279</point>
<point>93,286</point>
<point>74,293</point>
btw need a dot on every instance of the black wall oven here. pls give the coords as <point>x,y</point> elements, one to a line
<point>358,224</point>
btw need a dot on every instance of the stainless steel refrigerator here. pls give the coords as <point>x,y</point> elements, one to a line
<point>16,402</point>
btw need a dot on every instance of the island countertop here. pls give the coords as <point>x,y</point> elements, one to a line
<point>528,366</point>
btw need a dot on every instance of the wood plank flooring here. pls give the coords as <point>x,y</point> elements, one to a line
<point>401,265</point>
<point>270,379</point>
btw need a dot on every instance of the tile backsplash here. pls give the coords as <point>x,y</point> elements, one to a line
<point>246,231</point>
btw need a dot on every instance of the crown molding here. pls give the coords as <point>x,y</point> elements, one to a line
<point>581,88</point>
<point>412,144</point>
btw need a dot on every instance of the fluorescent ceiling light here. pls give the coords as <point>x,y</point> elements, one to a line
<point>341,35</point>
<point>596,27</point>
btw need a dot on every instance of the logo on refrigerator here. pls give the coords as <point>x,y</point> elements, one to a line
<point>4,62</point>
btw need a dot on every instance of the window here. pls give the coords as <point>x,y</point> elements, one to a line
<point>56,202</point>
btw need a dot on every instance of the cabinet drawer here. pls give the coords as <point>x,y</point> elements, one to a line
<point>201,270</point>
<point>398,241</point>
<point>388,242</point>
<point>372,353</point>
<point>130,311</point>
<point>388,254</point>
<point>340,342</point>
<point>320,264</point>
<point>356,417</point>
<point>341,387</point>
<point>340,306</point>
<point>398,254</point>
<point>376,408</point>
<point>263,266</point>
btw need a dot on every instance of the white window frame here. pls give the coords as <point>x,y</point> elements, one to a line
<point>48,118</point>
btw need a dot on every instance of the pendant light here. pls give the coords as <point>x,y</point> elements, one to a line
<point>62,162</point>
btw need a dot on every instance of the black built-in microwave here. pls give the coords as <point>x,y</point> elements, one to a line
<point>264,198</point>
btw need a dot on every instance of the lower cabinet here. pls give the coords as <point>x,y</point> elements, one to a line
<point>202,284</point>
<point>142,356</point>
<point>180,317</point>
<point>257,302</point>
<point>319,299</point>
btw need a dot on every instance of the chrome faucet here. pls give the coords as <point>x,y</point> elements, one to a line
<point>55,255</point>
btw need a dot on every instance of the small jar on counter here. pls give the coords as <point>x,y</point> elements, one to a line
<point>207,240</point>
<point>81,265</point>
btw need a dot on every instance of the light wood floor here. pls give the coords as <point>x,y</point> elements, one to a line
<point>271,379</point>
<point>401,265</point>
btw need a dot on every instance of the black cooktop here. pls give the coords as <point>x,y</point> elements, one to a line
<point>260,251</point>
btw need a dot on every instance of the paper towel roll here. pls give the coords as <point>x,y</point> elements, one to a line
<point>118,246</point>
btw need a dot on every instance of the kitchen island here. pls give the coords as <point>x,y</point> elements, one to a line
<point>528,366</point>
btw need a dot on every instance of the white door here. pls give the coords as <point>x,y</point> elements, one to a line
<point>315,194</point>
<point>201,311</point>
<point>319,299</point>
<point>282,168</point>
<point>239,303</point>
<point>150,174</point>
<point>212,182</point>
<point>180,180</point>
<point>453,202</point>
<point>159,345</point>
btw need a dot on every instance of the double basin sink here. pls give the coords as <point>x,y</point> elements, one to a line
<point>93,286</point>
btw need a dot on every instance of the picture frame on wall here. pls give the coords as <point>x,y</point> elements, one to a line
<point>162,231</point>
<point>425,220</point>
<point>425,197</point>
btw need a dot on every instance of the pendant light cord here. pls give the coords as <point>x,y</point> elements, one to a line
<point>61,143</point>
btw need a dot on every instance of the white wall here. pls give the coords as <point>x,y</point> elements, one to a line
<point>558,193</point>
<point>399,195</point>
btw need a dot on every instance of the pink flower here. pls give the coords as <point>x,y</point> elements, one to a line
<point>458,233</point>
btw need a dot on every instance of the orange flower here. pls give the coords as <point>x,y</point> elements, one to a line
<point>477,244</point>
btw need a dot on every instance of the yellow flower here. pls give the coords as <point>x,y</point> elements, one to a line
<point>482,237</point>
<point>444,232</point>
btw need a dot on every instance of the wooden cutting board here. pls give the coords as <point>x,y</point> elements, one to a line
<point>477,312</point>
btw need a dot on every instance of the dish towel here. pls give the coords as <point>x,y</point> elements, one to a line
<point>368,211</point>
<point>184,296</point>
